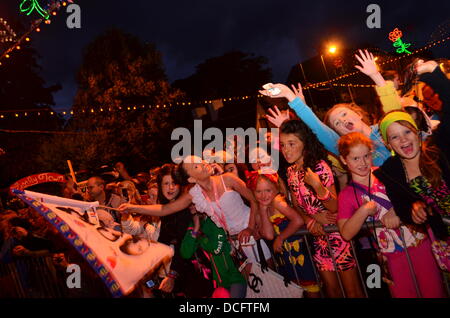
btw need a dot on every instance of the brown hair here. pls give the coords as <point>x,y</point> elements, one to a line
<point>352,139</point>
<point>429,156</point>
<point>352,107</point>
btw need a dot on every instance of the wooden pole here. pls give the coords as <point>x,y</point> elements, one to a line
<point>72,173</point>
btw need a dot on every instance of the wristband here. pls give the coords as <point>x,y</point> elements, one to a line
<point>194,233</point>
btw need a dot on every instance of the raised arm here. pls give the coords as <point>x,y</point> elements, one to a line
<point>386,91</point>
<point>158,209</point>
<point>327,136</point>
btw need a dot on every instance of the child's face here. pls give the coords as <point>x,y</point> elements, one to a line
<point>291,147</point>
<point>137,248</point>
<point>359,160</point>
<point>170,189</point>
<point>344,121</point>
<point>403,140</point>
<point>197,169</point>
<point>265,192</point>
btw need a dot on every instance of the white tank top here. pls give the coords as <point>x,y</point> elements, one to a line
<point>230,207</point>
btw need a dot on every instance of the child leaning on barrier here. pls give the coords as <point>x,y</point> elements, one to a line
<point>204,234</point>
<point>364,199</point>
<point>312,190</point>
<point>279,222</point>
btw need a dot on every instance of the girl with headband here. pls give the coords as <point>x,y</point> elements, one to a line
<point>342,118</point>
<point>364,199</point>
<point>417,178</point>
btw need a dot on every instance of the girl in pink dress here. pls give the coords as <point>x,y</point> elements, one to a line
<point>311,184</point>
<point>365,198</point>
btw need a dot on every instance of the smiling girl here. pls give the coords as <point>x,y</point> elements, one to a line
<point>365,199</point>
<point>311,183</point>
<point>341,119</point>
<point>279,223</point>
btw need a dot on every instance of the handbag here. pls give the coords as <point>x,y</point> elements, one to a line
<point>441,251</point>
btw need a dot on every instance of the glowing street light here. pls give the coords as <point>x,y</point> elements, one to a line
<point>332,49</point>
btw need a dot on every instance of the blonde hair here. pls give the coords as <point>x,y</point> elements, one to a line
<point>353,107</point>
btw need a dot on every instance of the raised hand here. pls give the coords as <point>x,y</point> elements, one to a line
<point>277,117</point>
<point>284,91</point>
<point>298,91</point>
<point>425,67</point>
<point>367,61</point>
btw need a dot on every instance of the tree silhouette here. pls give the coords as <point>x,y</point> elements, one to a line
<point>22,88</point>
<point>232,74</point>
<point>118,73</point>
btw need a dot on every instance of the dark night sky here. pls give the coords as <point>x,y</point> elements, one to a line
<point>188,32</point>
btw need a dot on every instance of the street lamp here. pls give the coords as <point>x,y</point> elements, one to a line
<point>331,49</point>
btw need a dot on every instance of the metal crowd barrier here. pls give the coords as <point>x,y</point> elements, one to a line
<point>367,226</point>
<point>30,278</point>
<point>39,278</point>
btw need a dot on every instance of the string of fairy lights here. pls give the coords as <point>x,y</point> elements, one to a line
<point>8,35</point>
<point>51,10</point>
<point>8,114</point>
<point>394,59</point>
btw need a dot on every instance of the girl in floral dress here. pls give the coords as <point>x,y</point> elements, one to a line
<point>311,184</point>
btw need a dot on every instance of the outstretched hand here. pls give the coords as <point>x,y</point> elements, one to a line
<point>284,91</point>
<point>425,67</point>
<point>367,61</point>
<point>298,91</point>
<point>277,117</point>
<point>125,208</point>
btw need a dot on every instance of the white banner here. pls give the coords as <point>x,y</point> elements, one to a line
<point>269,284</point>
<point>120,259</point>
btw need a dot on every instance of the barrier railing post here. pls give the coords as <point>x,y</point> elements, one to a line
<point>359,269</point>
<point>410,265</point>
<point>318,279</point>
<point>335,268</point>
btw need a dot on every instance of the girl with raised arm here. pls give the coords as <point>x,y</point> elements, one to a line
<point>343,118</point>
<point>217,196</point>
